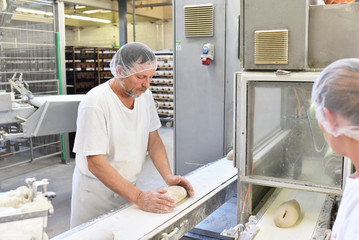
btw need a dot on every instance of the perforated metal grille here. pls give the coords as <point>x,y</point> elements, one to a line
<point>198,20</point>
<point>271,47</point>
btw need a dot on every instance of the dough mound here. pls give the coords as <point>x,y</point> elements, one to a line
<point>287,214</point>
<point>230,155</point>
<point>177,193</point>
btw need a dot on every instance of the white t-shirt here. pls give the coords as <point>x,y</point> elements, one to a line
<point>346,224</point>
<point>106,126</point>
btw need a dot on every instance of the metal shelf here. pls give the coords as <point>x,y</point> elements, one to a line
<point>162,86</point>
<point>87,67</point>
<point>27,46</point>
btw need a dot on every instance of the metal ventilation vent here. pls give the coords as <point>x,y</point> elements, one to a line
<point>271,47</point>
<point>198,20</point>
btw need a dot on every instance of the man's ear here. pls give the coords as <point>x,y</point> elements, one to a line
<point>332,120</point>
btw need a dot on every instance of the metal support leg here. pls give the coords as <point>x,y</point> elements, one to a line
<point>122,19</point>
<point>31,150</point>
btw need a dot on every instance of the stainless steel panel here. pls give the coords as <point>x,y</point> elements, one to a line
<point>261,15</point>
<point>199,93</point>
<point>52,118</point>
<point>232,66</point>
<point>5,101</point>
<point>333,33</point>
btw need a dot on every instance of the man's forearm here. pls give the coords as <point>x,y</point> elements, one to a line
<point>157,152</point>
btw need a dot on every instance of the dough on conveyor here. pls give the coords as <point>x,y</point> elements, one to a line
<point>287,214</point>
<point>177,193</point>
<point>230,155</point>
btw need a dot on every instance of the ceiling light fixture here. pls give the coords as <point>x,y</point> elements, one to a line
<point>96,11</point>
<point>38,12</point>
<point>33,11</point>
<point>79,6</point>
<point>88,18</point>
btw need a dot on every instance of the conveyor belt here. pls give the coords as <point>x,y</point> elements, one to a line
<point>312,205</point>
<point>213,184</point>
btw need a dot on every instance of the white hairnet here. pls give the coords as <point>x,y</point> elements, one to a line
<point>132,58</point>
<point>337,89</point>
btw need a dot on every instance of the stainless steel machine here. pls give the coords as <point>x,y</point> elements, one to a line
<point>36,115</point>
<point>279,146</point>
<point>279,149</point>
<point>296,35</point>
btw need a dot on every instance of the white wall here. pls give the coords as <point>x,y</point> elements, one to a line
<point>157,35</point>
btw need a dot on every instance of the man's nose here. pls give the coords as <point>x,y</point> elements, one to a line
<point>147,82</point>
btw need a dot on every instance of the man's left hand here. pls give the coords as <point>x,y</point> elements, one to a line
<point>172,180</point>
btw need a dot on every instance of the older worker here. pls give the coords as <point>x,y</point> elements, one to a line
<point>117,124</point>
<point>336,98</point>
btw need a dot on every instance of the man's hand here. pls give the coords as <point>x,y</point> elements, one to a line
<point>172,180</point>
<point>155,201</point>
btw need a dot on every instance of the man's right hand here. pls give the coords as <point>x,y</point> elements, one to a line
<point>155,201</point>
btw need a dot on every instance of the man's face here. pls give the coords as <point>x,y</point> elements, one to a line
<point>137,83</point>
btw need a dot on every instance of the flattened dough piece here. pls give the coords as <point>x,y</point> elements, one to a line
<point>287,214</point>
<point>177,193</point>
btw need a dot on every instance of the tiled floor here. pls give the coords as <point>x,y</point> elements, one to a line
<point>60,178</point>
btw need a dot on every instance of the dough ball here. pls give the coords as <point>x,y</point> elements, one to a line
<point>177,193</point>
<point>230,155</point>
<point>287,214</point>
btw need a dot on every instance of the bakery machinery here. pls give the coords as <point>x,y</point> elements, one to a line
<point>27,115</point>
<point>279,149</point>
<point>24,211</point>
<point>282,155</point>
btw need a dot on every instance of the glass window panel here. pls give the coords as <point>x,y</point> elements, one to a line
<point>284,140</point>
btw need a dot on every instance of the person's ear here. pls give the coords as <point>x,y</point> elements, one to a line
<point>331,118</point>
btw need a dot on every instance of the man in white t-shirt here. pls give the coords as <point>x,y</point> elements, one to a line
<point>116,126</point>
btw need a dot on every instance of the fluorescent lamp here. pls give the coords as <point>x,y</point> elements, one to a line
<point>88,18</point>
<point>33,11</point>
<point>96,11</point>
<point>38,12</point>
<point>79,6</point>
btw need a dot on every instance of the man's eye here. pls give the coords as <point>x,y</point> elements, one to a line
<point>141,77</point>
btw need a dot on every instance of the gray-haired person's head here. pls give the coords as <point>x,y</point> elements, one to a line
<point>337,89</point>
<point>132,58</point>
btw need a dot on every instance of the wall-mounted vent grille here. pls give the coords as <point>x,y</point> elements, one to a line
<point>198,20</point>
<point>271,47</point>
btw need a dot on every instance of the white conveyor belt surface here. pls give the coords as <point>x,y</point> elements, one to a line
<point>311,204</point>
<point>132,223</point>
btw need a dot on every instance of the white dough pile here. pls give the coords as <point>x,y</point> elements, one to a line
<point>177,193</point>
<point>19,200</point>
<point>287,214</point>
<point>16,202</point>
